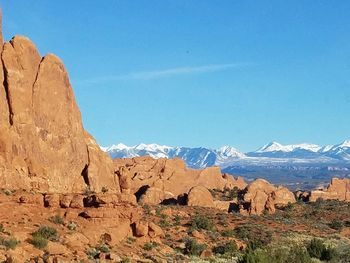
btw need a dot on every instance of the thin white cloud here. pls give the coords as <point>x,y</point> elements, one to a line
<point>162,73</point>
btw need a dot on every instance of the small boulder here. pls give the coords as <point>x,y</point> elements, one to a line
<point>155,231</point>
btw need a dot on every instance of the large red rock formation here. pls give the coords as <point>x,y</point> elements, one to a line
<point>169,178</point>
<point>43,145</point>
<point>261,195</point>
<point>338,189</point>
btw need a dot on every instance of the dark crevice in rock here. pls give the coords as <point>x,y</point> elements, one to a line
<point>141,191</point>
<point>85,175</point>
<point>35,80</point>
<point>6,86</point>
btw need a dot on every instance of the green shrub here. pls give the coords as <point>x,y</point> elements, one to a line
<point>317,249</point>
<point>57,219</point>
<point>177,220</point>
<point>2,228</point>
<point>255,256</point>
<point>337,225</point>
<point>149,246</point>
<point>164,223</point>
<point>229,248</point>
<point>102,248</point>
<point>46,232</point>
<point>104,189</point>
<point>228,233</point>
<point>10,243</point>
<point>193,248</point>
<point>130,240</point>
<point>72,226</point>
<point>201,222</point>
<point>92,253</point>
<point>39,241</point>
<point>255,235</point>
<point>295,254</point>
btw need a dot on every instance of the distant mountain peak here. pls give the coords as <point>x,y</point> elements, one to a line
<point>278,147</point>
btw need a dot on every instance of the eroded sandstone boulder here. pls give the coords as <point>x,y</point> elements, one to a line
<point>200,196</point>
<point>262,196</point>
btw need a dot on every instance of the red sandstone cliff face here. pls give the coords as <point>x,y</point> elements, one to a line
<point>43,145</point>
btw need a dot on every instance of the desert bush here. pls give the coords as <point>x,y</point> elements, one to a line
<point>295,254</point>
<point>56,219</point>
<point>201,222</point>
<point>193,248</point>
<point>72,226</point>
<point>229,248</point>
<point>255,235</point>
<point>228,233</point>
<point>39,241</point>
<point>336,225</point>
<point>317,249</point>
<point>102,248</point>
<point>130,240</point>
<point>9,243</point>
<point>149,246</point>
<point>104,189</point>
<point>177,220</point>
<point>46,232</point>
<point>92,253</point>
<point>255,256</point>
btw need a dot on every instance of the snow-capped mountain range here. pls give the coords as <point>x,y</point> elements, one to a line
<point>270,154</point>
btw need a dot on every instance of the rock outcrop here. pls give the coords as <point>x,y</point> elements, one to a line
<point>200,196</point>
<point>156,180</point>
<point>43,145</point>
<point>338,189</point>
<point>262,196</point>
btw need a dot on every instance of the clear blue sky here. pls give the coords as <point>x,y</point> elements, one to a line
<point>199,73</point>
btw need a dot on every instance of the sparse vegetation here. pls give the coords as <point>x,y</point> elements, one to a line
<point>72,226</point>
<point>104,189</point>
<point>200,222</point>
<point>336,225</point>
<point>39,241</point>
<point>255,235</point>
<point>193,248</point>
<point>8,243</point>
<point>41,237</point>
<point>149,246</point>
<point>229,248</point>
<point>317,249</point>
<point>56,219</point>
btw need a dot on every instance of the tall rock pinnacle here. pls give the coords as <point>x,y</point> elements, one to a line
<point>43,145</point>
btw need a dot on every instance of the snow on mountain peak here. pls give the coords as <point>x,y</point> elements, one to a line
<point>344,144</point>
<point>229,151</point>
<point>271,147</point>
<point>277,147</point>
